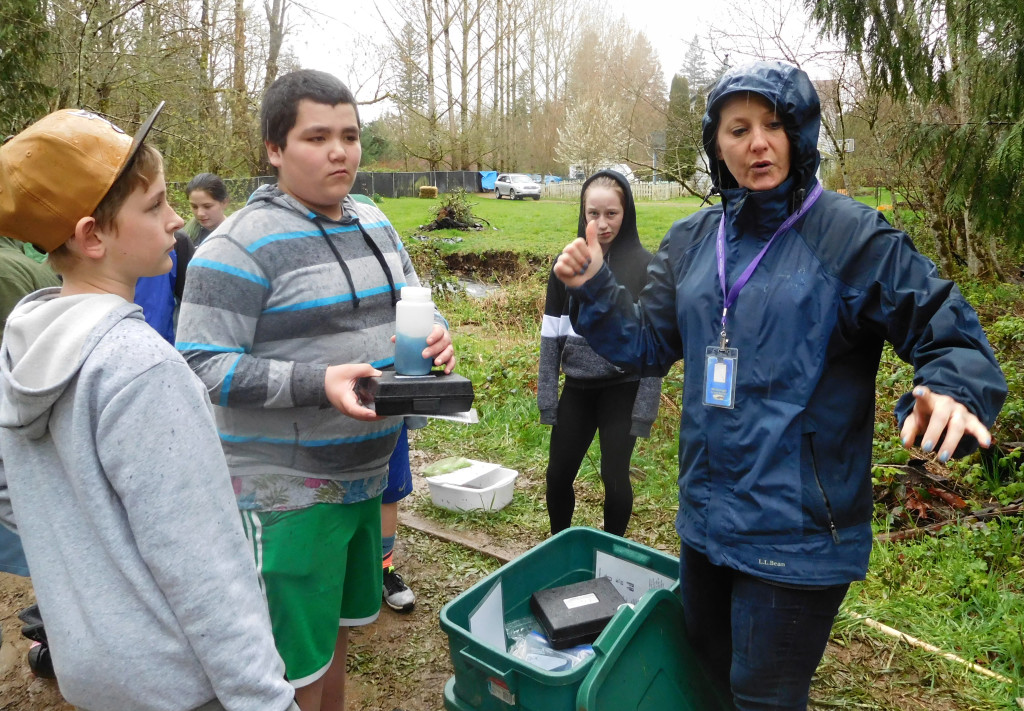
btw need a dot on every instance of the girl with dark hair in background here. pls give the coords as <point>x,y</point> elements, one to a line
<point>208,197</point>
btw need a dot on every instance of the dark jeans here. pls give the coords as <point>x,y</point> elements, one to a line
<point>581,413</point>
<point>760,642</point>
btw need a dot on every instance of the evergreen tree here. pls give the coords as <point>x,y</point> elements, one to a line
<point>695,68</point>
<point>377,147</point>
<point>410,88</point>
<point>682,134</point>
<point>958,68</point>
<point>23,44</point>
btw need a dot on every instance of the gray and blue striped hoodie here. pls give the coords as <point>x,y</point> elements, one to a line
<point>276,295</point>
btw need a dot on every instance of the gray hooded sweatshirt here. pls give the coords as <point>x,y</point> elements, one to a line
<point>110,458</point>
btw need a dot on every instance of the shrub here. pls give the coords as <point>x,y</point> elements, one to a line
<point>455,205</point>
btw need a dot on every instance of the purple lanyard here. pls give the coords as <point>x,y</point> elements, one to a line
<point>729,296</point>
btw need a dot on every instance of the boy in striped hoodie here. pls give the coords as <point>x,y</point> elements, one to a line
<point>287,304</point>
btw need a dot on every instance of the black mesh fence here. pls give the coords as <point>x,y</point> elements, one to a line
<point>389,185</point>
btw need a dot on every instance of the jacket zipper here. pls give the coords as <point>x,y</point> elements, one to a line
<point>824,496</point>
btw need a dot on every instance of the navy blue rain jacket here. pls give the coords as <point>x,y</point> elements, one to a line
<point>779,487</point>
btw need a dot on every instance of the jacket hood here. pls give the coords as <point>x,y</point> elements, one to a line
<point>790,90</point>
<point>272,194</point>
<point>626,242</point>
<point>48,337</point>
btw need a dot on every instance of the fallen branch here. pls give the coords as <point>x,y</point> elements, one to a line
<point>991,512</point>
<point>915,642</point>
<point>917,467</point>
<point>479,542</point>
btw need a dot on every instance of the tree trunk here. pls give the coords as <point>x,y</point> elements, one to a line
<point>239,92</point>
<point>433,147</point>
<point>205,51</point>
<point>450,94</point>
<point>276,30</point>
<point>467,29</point>
<point>497,109</point>
<point>981,253</point>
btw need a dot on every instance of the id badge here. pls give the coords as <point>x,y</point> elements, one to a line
<point>720,376</point>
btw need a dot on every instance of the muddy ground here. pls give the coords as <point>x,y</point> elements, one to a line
<point>401,662</point>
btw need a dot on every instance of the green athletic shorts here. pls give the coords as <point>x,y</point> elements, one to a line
<point>320,569</point>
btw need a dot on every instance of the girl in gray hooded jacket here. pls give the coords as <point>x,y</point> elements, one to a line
<point>597,396</point>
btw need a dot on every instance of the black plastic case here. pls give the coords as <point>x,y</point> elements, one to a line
<point>575,614</point>
<point>431,394</point>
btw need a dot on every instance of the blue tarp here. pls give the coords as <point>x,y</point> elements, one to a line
<point>487,178</point>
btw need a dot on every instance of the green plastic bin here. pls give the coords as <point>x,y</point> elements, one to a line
<point>644,662</point>
<point>488,679</point>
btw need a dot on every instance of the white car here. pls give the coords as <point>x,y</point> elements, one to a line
<point>516,186</point>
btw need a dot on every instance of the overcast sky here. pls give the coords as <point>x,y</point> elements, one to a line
<point>319,39</point>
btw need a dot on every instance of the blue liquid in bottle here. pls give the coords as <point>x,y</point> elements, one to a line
<point>409,358</point>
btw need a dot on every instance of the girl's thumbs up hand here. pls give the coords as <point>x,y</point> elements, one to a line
<point>580,259</point>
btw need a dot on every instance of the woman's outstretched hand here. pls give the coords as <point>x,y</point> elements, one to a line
<point>580,259</point>
<point>934,413</point>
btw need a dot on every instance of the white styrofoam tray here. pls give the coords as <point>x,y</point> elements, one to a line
<point>481,486</point>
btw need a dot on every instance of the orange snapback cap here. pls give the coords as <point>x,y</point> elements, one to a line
<point>57,171</point>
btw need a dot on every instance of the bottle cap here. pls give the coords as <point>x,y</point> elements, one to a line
<point>416,293</point>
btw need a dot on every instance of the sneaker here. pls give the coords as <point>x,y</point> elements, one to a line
<point>397,594</point>
<point>40,662</point>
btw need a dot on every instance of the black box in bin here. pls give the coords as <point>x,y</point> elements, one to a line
<point>575,614</point>
<point>432,394</point>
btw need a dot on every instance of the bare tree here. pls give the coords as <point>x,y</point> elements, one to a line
<point>586,138</point>
<point>275,10</point>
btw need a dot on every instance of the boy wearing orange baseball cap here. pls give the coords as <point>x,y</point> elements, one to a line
<point>109,459</point>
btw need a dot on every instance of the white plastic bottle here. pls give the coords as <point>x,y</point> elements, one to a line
<point>414,320</point>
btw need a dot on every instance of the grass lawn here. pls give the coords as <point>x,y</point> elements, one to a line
<point>527,226</point>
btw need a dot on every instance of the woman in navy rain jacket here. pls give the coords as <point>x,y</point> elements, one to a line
<point>775,495</point>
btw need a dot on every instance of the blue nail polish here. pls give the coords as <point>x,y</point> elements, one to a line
<point>944,457</point>
<point>919,391</point>
<point>927,446</point>
<point>905,441</point>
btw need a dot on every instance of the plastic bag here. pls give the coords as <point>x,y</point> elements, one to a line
<point>446,466</point>
<point>533,648</point>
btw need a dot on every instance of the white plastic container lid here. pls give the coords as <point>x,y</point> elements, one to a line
<point>415,293</point>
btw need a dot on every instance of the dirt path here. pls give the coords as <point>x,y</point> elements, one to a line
<point>19,688</point>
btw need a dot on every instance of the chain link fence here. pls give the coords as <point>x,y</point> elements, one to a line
<point>389,185</point>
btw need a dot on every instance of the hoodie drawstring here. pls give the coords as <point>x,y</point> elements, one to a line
<point>707,198</point>
<point>341,262</point>
<point>798,198</point>
<point>344,267</point>
<point>381,261</point>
